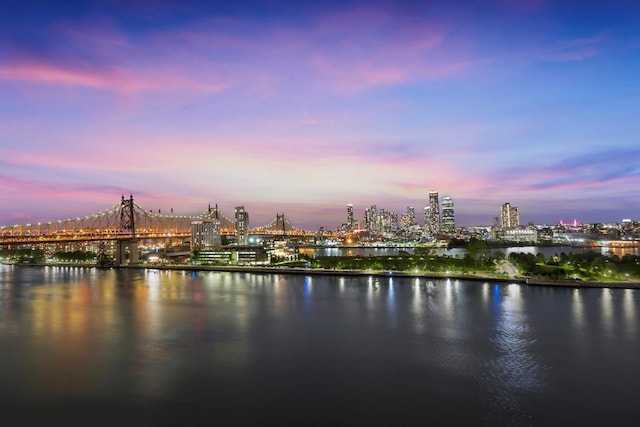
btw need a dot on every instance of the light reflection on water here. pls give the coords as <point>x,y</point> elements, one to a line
<point>506,353</point>
<point>578,311</point>
<point>607,310</point>
<point>517,369</point>
<point>629,311</point>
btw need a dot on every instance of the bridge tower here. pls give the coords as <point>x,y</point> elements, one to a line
<point>280,219</point>
<point>127,226</point>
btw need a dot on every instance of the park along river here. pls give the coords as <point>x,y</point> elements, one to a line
<point>547,251</point>
<point>160,348</point>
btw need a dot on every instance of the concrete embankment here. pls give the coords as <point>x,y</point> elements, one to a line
<point>583,284</point>
<point>328,272</point>
<point>402,274</point>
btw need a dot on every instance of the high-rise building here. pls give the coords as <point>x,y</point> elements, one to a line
<point>350,220</point>
<point>426,217</point>
<point>371,219</point>
<point>242,226</point>
<point>432,221</point>
<point>408,218</point>
<point>205,234</point>
<point>509,216</point>
<point>387,221</point>
<point>448,216</point>
<point>412,214</point>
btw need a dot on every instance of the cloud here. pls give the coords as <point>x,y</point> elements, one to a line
<point>366,48</point>
<point>348,51</point>
<point>576,49</point>
<point>113,79</point>
<point>600,170</point>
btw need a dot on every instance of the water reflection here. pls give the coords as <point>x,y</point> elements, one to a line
<point>577,309</point>
<point>277,341</point>
<point>516,369</point>
<point>391,305</point>
<point>606,309</point>
<point>418,306</point>
<point>629,311</point>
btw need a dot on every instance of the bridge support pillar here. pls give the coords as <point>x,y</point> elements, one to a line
<point>133,251</point>
<point>121,252</point>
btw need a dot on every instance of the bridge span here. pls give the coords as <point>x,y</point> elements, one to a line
<point>128,221</point>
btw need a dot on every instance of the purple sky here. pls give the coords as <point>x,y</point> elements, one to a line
<point>303,107</point>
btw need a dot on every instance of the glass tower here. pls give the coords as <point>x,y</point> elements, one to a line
<point>433,222</point>
<point>242,226</point>
<point>448,216</point>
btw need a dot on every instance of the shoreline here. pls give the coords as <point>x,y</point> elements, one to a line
<point>360,273</point>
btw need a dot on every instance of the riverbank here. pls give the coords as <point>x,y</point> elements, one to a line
<point>372,273</point>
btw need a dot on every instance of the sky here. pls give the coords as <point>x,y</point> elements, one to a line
<point>302,107</point>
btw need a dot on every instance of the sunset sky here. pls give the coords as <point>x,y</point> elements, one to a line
<point>304,106</point>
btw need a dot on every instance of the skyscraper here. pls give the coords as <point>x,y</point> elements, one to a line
<point>242,226</point>
<point>408,218</point>
<point>371,219</point>
<point>350,221</point>
<point>412,214</point>
<point>426,217</point>
<point>432,224</point>
<point>448,216</point>
<point>509,216</point>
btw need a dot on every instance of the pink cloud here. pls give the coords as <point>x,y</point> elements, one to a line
<point>348,79</point>
<point>109,78</point>
<point>347,52</point>
<point>381,49</point>
<point>50,200</point>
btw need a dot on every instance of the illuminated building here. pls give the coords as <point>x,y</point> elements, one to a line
<point>387,221</point>
<point>448,216</point>
<point>528,235</point>
<point>242,226</point>
<point>432,219</point>
<point>509,217</point>
<point>408,218</point>
<point>371,219</point>
<point>426,217</point>
<point>350,220</point>
<point>205,234</point>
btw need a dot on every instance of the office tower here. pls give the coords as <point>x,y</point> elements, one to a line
<point>408,218</point>
<point>411,212</point>
<point>433,222</point>
<point>387,221</point>
<point>426,217</point>
<point>205,234</point>
<point>350,221</point>
<point>367,219</point>
<point>371,219</point>
<point>448,216</point>
<point>509,216</point>
<point>242,226</point>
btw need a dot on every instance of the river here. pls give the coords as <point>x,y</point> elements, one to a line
<point>159,348</point>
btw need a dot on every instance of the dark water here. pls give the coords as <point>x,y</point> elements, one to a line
<point>106,347</point>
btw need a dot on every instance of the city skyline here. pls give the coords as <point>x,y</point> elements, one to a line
<point>305,108</point>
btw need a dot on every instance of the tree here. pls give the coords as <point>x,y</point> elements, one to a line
<point>478,250</point>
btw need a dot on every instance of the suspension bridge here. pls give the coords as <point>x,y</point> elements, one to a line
<point>127,221</point>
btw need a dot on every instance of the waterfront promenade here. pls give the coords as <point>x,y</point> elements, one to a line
<point>406,274</point>
<point>531,281</point>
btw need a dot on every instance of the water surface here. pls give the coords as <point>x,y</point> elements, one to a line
<point>98,347</point>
